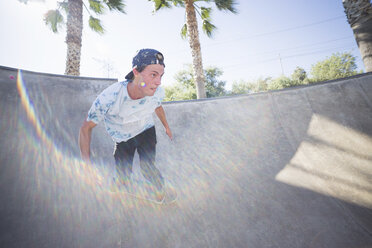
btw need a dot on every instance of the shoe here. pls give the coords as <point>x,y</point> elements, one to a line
<point>160,196</point>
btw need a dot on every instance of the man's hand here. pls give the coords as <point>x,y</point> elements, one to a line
<point>84,140</point>
<point>161,115</point>
<point>169,133</point>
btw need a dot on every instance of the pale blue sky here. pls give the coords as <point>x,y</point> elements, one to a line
<point>245,46</point>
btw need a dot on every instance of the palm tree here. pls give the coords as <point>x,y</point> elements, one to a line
<point>190,30</point>
<point>74,11</point>
<point>359,16</point>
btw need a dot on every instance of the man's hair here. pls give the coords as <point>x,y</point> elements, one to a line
<point>141,68</point>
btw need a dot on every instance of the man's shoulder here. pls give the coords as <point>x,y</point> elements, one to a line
<point>159,93</point>
<point>114,89</point>
<point>118,85</point>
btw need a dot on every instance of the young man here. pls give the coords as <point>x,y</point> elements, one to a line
<point>126,109</point>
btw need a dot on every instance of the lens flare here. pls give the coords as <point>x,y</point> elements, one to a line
<point>59,166</point>
<point>192,172</point>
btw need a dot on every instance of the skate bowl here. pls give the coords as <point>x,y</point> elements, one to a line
<point>288,168</point>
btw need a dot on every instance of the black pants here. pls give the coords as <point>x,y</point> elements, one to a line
<point>145,143</point>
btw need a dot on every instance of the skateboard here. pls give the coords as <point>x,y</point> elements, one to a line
<point>143,191</point>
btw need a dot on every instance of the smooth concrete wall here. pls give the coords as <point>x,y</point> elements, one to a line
<point>61,104</point>
<point>290,168</point>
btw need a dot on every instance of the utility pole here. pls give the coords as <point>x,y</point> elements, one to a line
<point>106,65</point>
<point>281,65</point>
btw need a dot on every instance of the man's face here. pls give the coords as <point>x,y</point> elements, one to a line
<point>151,77</point>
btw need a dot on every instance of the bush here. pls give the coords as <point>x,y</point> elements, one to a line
<point>339,65</point>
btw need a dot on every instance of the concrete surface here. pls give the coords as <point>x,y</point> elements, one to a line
<point>290,168</point>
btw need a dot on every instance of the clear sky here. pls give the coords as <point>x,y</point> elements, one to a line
<point>264,39</point>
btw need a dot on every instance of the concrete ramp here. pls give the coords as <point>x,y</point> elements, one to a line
<point>290,168</point>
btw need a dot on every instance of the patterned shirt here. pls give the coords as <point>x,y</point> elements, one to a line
<point>124,117</point>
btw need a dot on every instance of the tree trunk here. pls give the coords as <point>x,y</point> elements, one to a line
<point>359,16</point>
<point>73,37</point>
<point>193,34</point>
<point>363,36</point>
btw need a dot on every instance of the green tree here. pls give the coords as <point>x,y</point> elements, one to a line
<point>359,16</point>
<point>178,92</point>
<point>299,76</point>
<point>242,87</point>
<point>190,29</point>
<point>185,89</point>
<point>262,84</point>
<point>280,83</point>
<point>245,87</point>
<point>73,9</point>
<point>339,65</point>
<point>214,86</point>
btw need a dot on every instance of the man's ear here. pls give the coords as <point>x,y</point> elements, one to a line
<point>135,72</point>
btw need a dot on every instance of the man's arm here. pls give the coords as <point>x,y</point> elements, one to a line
<point>85,135</point>
<point>161,115</point>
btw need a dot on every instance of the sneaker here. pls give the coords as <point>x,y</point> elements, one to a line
<point>160,196</point>
<point>166,196</point>
<point>171,195</point>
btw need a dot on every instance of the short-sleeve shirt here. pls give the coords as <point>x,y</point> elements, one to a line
<point>124,117</point>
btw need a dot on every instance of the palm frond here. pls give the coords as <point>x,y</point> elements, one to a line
<point>96,6</point>
<point>63,5</point>
<point>206,13</point>
<point>184,31</point>
<point>208,28</point>
<point>95,25</point>
<point>226,5</point>
<point>53,19</point>
<point>23,1</point>
<point>115,5</point>
<point>159,4</point>
<point>178,3</point>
